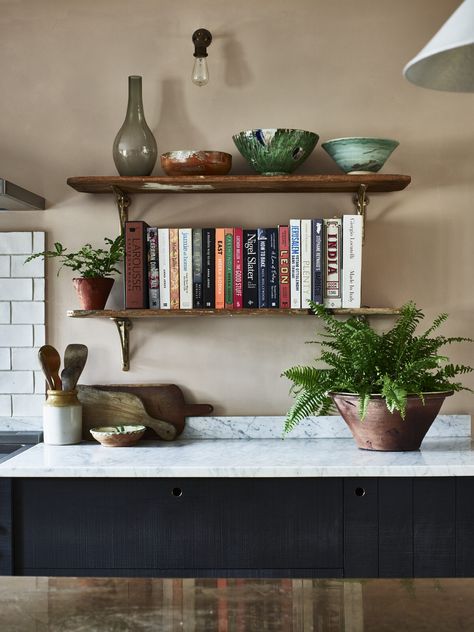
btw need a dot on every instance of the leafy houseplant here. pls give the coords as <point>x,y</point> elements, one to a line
<point>388,387</point>
<point>94,266</point>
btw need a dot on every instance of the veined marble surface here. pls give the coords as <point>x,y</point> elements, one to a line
<point>246,458</point>
<point>311,428</point>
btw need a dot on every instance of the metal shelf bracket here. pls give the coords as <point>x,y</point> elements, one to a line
<point>123,202</point>
<point>361,200</point>
<point>124,326</point>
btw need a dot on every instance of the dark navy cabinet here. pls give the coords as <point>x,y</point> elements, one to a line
<point>304,527</point>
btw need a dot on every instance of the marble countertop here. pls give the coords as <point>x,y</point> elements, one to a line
<point>247,458</point>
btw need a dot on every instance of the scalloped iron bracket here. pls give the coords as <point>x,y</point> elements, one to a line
<point>123,203</point>
<point>361,201</point>
<point>124,325</point>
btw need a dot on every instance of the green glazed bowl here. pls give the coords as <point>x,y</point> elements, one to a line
<point>360,154</point>
<point>275,151</point>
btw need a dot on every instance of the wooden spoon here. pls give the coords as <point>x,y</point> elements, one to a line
<point>44,365</point>
<point>51,360</point>
<point>75,358</point>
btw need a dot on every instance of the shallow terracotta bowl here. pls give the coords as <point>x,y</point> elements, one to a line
<point>190,162</point>
<point>118,436</point>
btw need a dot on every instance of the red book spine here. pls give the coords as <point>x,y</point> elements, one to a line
<point>238,268</point>
<point>174,269</point>
<point>284,266</point>
<point>136,277</point>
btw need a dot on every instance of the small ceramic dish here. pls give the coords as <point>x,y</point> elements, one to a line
<point>118,436</point>
<point>190,162</point>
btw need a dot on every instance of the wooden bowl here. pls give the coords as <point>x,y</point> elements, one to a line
<point>118,436</point>
<point>190,162</point>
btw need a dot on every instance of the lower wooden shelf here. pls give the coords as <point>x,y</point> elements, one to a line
<point>123,317</point>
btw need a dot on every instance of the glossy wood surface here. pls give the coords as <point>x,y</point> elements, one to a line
<point>375,182</point>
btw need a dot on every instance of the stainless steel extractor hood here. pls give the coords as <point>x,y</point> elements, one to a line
<point>14,198</point>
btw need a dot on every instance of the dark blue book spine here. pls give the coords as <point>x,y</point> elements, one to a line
<point>262,267</point>
<point>209,267</point>
<point>317,267</point>
<point>250,257</point>
<point>273,281</point>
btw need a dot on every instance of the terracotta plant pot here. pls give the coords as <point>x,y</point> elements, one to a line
<point>93,293</point>
<point>383,430</point>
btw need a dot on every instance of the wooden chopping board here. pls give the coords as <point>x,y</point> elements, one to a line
<point>161,401</point>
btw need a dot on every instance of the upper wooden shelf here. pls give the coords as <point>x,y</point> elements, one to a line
<point>158,313</point>
<point>241,184</point>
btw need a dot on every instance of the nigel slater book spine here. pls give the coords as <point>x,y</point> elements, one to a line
<point>262,267</point>
<point>250,288</point>
<point>136,276</point>
<point>209,267</point>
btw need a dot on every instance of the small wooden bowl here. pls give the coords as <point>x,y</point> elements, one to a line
<point>118,436</point>
<point>190,162</point>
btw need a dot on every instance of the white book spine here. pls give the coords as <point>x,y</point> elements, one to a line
<point>333,261</point>
<point>295,263</point>
<point>351,260</point>
<point>306,279</point>
<point>164,263</point>
<point>185,269</point>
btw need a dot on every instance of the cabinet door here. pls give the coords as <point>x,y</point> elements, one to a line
<point>6,566</point>
<point>87,524</point>
<point>465,527</point>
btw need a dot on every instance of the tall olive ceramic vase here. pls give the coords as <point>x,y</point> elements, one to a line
<point>135,150</point>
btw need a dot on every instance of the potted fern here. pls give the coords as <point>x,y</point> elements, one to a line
<point>388,387</point>
<point>94,266</point>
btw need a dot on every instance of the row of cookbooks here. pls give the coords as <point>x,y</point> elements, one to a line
<point>233,268</point>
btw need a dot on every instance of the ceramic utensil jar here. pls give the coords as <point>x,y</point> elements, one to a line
<point>62,418</point>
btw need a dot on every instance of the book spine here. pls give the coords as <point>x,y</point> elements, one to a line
<point>209,266</point>
<point>198,301</point>
<point>250,286</point>
<point>295,263</point>
<point>305,263</point>
<point>220,263</point>
<point>238,268</point>
<point>332,258</point>
<point>284,266</point>
<point>351,260</point>
<point>229,268</point>
<point>153,268</point>
<point>136,277</point>
<point>164,262</point>
<point>174,268</point>
<point>317,260</point>
<point>273,285</point>
<point>262,238</point>
<point>185,269</point>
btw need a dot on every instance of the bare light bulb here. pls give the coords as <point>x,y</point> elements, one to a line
<point>200,74</point>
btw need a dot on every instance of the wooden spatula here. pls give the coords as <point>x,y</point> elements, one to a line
<point>103,408</point>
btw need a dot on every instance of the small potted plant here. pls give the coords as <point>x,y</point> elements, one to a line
<point>94,267</point>
<point>388,387</point>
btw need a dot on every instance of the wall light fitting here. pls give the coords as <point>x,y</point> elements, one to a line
<point>202,38</point>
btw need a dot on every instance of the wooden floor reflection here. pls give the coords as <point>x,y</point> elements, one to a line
<point>233,605</point>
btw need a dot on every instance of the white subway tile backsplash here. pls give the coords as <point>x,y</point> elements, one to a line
<point>5,362</point>
<point>25,358</point>
<point>16,382</point>
<point>16,335</point>
<point>38,241</point>
<point>4,266</point>
<point>5,406</point>
<point>40,335</point>
<point>40,382</point>
<point>27,405</point>
<point>16,243</point>
<point>28,312</point>
<point>4,312</point>
<point>38,289</point>
<point>16,289</point>
<point>31,269</point>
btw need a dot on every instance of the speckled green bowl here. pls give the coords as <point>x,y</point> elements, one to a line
<point>360,154</point>
<point>275,151</point>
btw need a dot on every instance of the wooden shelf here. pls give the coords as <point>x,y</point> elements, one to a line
<point>340,183</point>
<point>177,313</point>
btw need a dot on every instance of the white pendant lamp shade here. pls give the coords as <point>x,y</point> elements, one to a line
<point>447,61</point>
